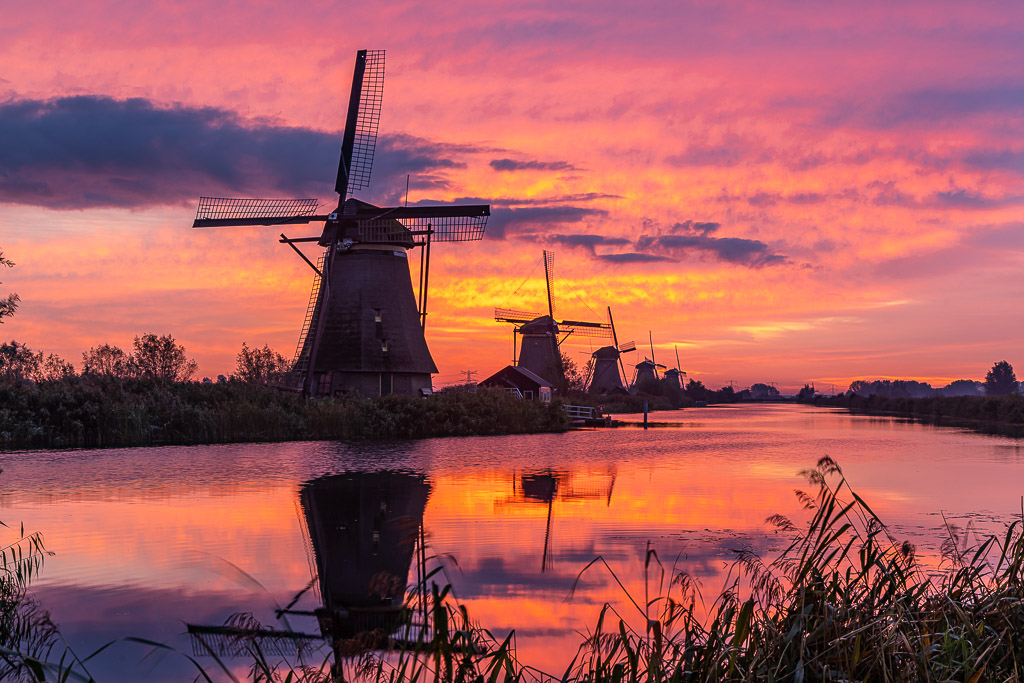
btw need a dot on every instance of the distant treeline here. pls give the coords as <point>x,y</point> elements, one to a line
<point>1000,381</point>
<point>996,400</point>
<point>908,388</point>
<point>1007,409</point>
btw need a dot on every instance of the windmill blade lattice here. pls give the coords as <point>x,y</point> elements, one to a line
<point>448,228</point>
<point>509,315</point>
<point>371,96</point>
<point>585,329</point>
<point>549,276</point>
<point>224,212</point>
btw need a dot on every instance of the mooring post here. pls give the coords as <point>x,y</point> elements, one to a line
<point>645,414</point>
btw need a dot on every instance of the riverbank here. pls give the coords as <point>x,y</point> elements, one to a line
<point>998,412</point>
<point>80,413</point>
<point>630,403</point>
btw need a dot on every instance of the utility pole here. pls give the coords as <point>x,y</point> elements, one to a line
<point>469,375</point>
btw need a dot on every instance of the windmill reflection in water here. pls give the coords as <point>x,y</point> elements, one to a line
<point>547,486</point>
<point>364,529</point>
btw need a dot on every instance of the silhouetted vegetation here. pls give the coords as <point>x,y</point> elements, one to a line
<point>1001,380</point>
<point>260,366</point>
<point>696,390</point>
<point>575,376</point>
<point>995,402</point>
<point>143,398</point>
<point>662,393</point>
<point>909,388</point>
<point>161,359</point>
<point>1007,409</point>
<point>29,640</point>
<point>100,412</point>
<point>9,303</point>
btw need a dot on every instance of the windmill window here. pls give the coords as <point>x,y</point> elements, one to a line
<point>384,345</point>
<point>376,314</point>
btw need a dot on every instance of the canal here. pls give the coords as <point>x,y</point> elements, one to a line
<point>147,540</point>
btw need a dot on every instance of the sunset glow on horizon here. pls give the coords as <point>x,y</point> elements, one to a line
<point>784,193</point>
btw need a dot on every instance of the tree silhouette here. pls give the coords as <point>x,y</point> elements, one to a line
<point>761,391</point>
<point>696,390</point>
<point>259,366</point>
<point>1001,380</point>
<point>160,358</point>
<point>107,361</point>
<point>8,304</point>
<point>575,376</point>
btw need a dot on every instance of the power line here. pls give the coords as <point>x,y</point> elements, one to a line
<point>575,294</point>
<point>468,375</point>
<point>516,290</point>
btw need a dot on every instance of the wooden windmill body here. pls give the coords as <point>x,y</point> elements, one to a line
<point>645,372</point>
<point>364,326</point>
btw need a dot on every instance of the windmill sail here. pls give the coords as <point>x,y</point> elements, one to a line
<point>360,139</point>
<point>216,212</point>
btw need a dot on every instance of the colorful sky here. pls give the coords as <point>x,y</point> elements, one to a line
<point>787,192</point>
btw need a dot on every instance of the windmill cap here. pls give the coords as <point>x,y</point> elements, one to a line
<point>382,230</point>
<point>542,325</point>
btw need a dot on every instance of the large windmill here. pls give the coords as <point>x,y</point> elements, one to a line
<point>539,351</point>
<point>364,327</point>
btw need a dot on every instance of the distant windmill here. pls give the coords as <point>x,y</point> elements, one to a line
<point>540,352</point>
<point>606,363</point>
<point>364,327</point>
<point>645,372</point>
<point>675,375</point>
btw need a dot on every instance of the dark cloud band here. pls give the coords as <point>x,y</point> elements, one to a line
<point>531,165</point>
<point>93,151</point>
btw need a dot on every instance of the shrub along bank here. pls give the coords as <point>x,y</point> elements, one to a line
<point>102,412</point>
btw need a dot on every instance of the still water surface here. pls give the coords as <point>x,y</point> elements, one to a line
<point>147,540</point>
